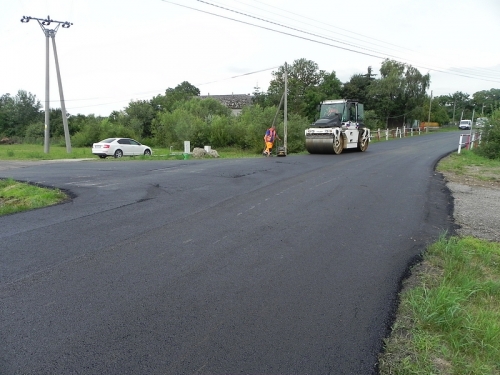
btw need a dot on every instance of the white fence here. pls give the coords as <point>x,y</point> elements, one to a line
<point>469,141</point>
<point>399,132</point>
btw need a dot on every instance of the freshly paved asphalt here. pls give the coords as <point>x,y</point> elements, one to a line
<point>253,266</point>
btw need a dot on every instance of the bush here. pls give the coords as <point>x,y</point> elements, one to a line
<point>35,130</point>
<point>490,141</point>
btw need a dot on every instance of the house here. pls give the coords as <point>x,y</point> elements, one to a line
<point>232,101</point>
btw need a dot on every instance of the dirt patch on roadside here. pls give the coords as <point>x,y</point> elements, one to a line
<point>476,197</point>
<point>476,176</point>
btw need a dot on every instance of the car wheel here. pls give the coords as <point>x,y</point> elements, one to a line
<point>102,156</point>
<point>118,153</point>
<point>147,152</point>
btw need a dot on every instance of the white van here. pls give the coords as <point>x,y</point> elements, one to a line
<point>465,125</point>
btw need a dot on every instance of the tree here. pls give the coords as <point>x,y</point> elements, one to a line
<point>250,126</point>
<point>182,92</point>
<point>190,120</point>
<point>56,123</point>
<point>329,87</point>
<point>457,105</point>
<point>90,131</point>
<point>17,112</point>
<point>140,115</point>
<point>357,88</point>
<point>438,111</point>
<point>486,101</point>
<point>400,92</point>
<point>307,87</point>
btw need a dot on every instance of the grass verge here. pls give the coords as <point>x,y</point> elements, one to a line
<point>16,197</point>
<point>36,152</point>
<point>450,322</point>
<point>470,166</point>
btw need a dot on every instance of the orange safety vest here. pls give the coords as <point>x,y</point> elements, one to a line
<point>270,135</point>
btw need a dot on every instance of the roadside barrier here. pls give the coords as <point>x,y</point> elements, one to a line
<point>469,141</point>
<point>399,132</point>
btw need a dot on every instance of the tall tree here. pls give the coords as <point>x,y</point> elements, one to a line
<point>181,93</point>
<point>140,115</point>
<point>456,105</point>
<point>307,86</point>
<point>329,87</point>
<point>17,112</point>
<point>400,92</point>
<point>357,88</point>
<point>486,101</point>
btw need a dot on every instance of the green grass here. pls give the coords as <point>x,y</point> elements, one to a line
<point>450,322</point>
<point>36,152</point>
<point>16,197</point>
<point>472,166</point>
<point>460,163</point>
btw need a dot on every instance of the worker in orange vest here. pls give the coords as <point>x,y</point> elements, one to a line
<point>269,138</point>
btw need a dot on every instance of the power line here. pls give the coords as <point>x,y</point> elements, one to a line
<point>288,27</point>
<point>433,68</point>
<point>269,29</point>
<point>464,70</point>
<point>240,75</point>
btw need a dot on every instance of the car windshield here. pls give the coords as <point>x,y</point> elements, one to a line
<point>108,140</point>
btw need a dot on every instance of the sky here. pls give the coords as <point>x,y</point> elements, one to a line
<point>119,51</point>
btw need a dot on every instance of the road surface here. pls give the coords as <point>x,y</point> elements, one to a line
<point>254,266</point>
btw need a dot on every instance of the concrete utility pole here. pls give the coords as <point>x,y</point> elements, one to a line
<point>52,34</point>
<point>285,112</point>
<point>430,105</point>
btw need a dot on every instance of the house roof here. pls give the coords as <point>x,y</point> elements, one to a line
<point>233,101</point>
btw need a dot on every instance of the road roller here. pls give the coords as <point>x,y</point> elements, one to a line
<point>340,126</point>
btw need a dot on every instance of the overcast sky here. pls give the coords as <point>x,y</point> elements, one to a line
<point>118,51</point>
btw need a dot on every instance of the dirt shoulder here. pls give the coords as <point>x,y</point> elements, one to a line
<point>476,202</point>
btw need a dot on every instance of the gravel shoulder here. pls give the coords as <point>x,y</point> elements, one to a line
<point>476,205</point>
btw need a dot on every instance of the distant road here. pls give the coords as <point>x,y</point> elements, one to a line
<point>255,266</point>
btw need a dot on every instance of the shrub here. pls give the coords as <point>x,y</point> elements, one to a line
<point>490,144</point>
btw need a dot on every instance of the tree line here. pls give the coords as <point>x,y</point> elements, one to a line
<point>398,96</point>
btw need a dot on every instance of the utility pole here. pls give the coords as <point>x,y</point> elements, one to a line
<point>430,105</point>
<point>455,102</point>
<point>51,33</point>
<point>285,112</point>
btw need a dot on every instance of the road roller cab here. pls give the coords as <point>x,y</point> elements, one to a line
<point>340,126</point>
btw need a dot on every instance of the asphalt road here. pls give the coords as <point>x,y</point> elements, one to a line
<point>251,266</point>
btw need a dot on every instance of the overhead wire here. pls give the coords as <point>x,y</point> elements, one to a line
<point>484,70</point>
<point>385,55</point>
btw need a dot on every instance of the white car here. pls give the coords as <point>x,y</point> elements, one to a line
<point>119,147</point>
<point>465,125</point>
